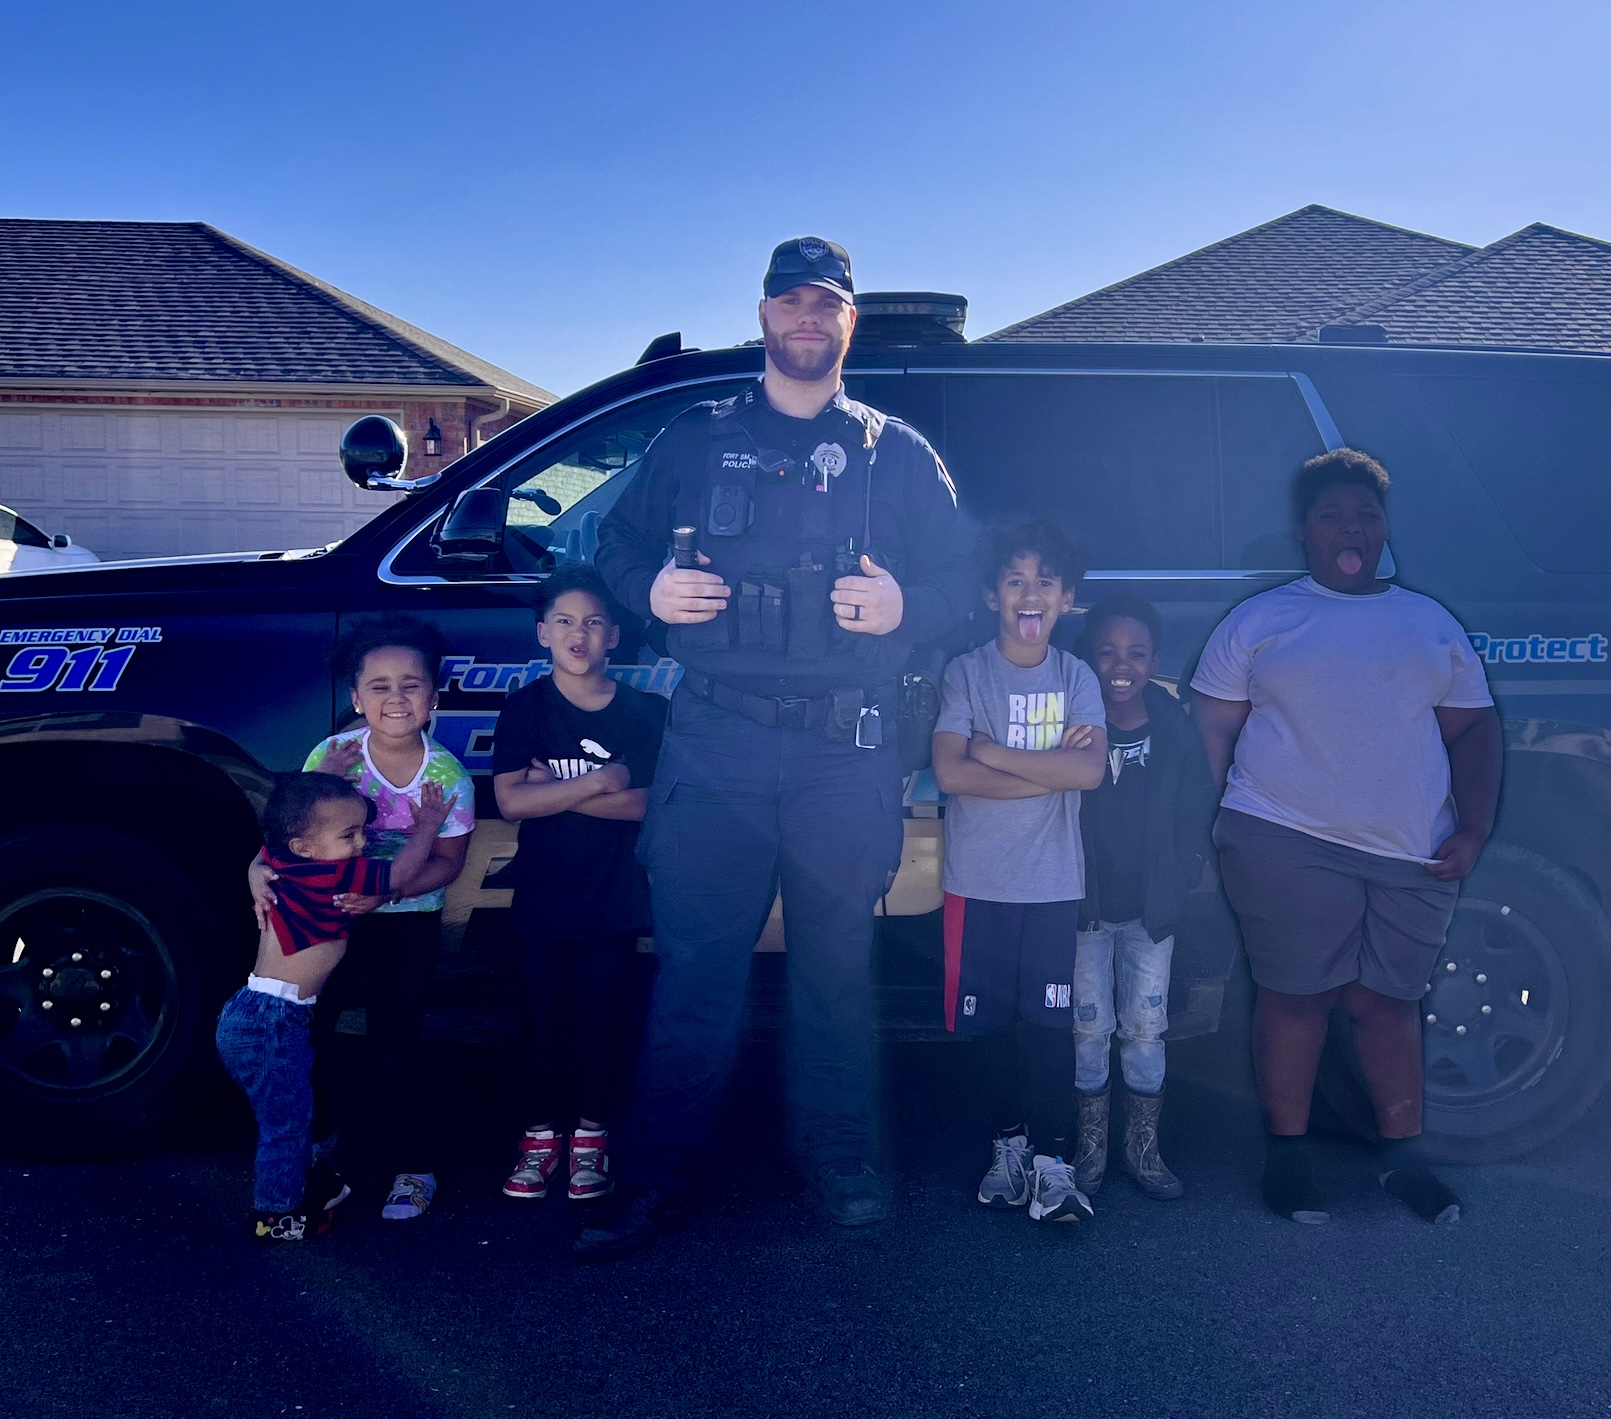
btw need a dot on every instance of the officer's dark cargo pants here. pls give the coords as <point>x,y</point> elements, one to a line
<point>737,807</point>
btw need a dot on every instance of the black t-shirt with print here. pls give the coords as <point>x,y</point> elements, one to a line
<point>576,875</point>
<point>1114,816</point>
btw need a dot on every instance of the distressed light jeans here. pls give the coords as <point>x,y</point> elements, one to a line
<point>1121,980</point>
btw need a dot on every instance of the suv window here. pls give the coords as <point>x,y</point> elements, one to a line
<point>1539,449</point>
<point>559,493</point>
<point>20,531</point>
<point>1151,472</point>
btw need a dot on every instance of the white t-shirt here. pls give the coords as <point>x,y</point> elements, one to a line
<point>1016,849</point>
<point>1342,742</point>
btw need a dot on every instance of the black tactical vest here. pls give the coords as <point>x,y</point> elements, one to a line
<point>779,530</point>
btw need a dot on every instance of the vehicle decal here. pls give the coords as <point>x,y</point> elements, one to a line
<point>467,733</point>
<point>70,658</point>
<point>465,672</point>
<point>1539,649</point>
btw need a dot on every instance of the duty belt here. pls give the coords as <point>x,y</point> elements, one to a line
<point>843,716</point>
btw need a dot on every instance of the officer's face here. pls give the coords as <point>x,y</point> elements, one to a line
<point>394,692</point>
<point>1343,534</point>
<point>578,632</point>
<point>807,332</point>
<point>1028,600</point>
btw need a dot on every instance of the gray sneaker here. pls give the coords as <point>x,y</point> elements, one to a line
<point>1007,1182</point>
<point>1053,1195</point>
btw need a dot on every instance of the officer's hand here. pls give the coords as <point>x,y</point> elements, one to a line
<point>682,596</point>
<point>872,604</point>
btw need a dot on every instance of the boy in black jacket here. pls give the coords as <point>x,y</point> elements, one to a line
<point>1146,837</point>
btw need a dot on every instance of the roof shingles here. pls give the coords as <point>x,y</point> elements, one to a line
<point>181,301</point>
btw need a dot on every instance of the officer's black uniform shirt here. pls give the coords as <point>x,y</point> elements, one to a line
<point>917,533</point>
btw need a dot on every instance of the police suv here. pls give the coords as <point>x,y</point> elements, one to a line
<point>145,705</point>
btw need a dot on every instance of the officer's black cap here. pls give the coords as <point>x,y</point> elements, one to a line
<point>810,261</point>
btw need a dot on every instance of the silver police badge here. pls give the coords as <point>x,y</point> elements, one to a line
<point>812,248</point>
<point>829,460</point>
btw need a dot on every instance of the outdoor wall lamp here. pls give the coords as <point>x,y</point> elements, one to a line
<point>433,441</point>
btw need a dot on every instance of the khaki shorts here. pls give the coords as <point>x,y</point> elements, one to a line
<point>1316,915</point>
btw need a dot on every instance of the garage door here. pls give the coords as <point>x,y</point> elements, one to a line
<point>161,483</point>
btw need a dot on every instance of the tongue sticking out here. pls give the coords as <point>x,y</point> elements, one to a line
<point>1349,562</point>
<point>1029,627</point>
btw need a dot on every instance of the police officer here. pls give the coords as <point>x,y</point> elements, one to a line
<point>828,545</point>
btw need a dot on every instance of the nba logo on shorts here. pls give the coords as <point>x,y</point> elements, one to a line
<point>1057,997</point>
<point>970,1004</point>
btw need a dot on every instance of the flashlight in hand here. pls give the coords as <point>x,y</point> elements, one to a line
<point>684,551</point>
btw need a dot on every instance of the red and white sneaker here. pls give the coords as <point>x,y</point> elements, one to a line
<point>590,1165</point>
<point>539,1157</point>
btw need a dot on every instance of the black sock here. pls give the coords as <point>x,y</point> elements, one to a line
<point>1405,1176</point>
<point>1289,1180</point>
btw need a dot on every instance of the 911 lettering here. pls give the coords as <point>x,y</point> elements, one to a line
<point>1539,649</point>
<point>71,658</point>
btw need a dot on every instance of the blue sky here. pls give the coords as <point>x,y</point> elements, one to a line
<point>552,185</point>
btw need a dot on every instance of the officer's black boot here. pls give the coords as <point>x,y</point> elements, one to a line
<point>629,1221</point>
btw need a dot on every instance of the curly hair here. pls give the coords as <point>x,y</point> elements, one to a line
<point>1060,555</point>
<point>371,633</point>
<point>1327,470</point>
<point>294,804</point>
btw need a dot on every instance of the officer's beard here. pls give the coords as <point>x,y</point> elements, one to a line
<point>806,365</point>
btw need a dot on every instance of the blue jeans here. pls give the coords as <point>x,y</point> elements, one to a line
<point>264,1044</point>
<point>736,810</point>
<point>1121,978</point>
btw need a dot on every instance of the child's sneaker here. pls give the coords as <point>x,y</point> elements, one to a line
<point>1053,1195</point>
<point>279,1226</point>
<point>324,1191</point>
<point>1007,1182</point>
<point>590,1165</point>
<point>539,1156</point>
<point>411,1195</point>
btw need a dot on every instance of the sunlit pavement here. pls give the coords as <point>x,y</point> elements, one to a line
<point>132,1289</point>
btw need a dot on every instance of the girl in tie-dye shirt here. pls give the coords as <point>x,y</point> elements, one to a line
<point>390,665</point>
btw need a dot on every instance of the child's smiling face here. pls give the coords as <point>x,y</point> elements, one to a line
<point>578,632</point>
<point>1027,601</point>
<point>394,692</point>
<point>1124,658</point>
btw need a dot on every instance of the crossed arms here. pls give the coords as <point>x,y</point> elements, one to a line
<point>981,768</point>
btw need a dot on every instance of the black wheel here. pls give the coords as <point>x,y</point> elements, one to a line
<point>109,981</point>
<point>1515,1018</point>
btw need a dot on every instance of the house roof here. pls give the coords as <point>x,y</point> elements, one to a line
<point>1540,288</point>
<point>176,301</point>
<point>1272,283</point>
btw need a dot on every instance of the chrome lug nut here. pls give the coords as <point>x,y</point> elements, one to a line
<point>47,973</point>
<point>1431,1019</point>
<point>1487,1010</point>
<point>47,1004</point>
<point>1481,979</point>
<point>75,1021</point>
<point>107,975</point>
<point>1459,1029</point>
<point>106,1005</point>
<point>1450,967</point>
<point>77,957</point>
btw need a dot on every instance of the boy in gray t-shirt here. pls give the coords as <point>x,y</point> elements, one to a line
<point>1021,732</point>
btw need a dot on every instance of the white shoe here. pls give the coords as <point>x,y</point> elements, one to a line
<point>411,1195</point>
<point>1007,1182</point>
<point>1053,1195</point>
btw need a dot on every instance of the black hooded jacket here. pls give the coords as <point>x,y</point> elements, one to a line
<point>1181,803</point>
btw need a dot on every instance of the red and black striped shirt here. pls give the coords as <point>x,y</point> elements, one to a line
<point>305,913</point>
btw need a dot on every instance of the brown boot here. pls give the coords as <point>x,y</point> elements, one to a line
<point>1091,1141</point>
<point>1141,1158</point>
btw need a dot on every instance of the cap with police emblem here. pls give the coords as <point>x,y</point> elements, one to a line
<point>810,261</point>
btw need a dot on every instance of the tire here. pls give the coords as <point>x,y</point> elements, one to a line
<point>1531,944</point>
<point>111,975</point>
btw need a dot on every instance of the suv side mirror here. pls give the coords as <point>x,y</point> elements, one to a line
<point>472,531</point>
<point>373,452</point>
<point>61,541</point>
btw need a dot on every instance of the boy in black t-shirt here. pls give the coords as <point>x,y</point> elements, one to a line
<point>573,755</point>
<point>1145,832</point>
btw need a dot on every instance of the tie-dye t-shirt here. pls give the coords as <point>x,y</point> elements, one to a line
<point>393,817</point>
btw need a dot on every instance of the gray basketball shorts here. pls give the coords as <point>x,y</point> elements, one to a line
<point>1316,915</point>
